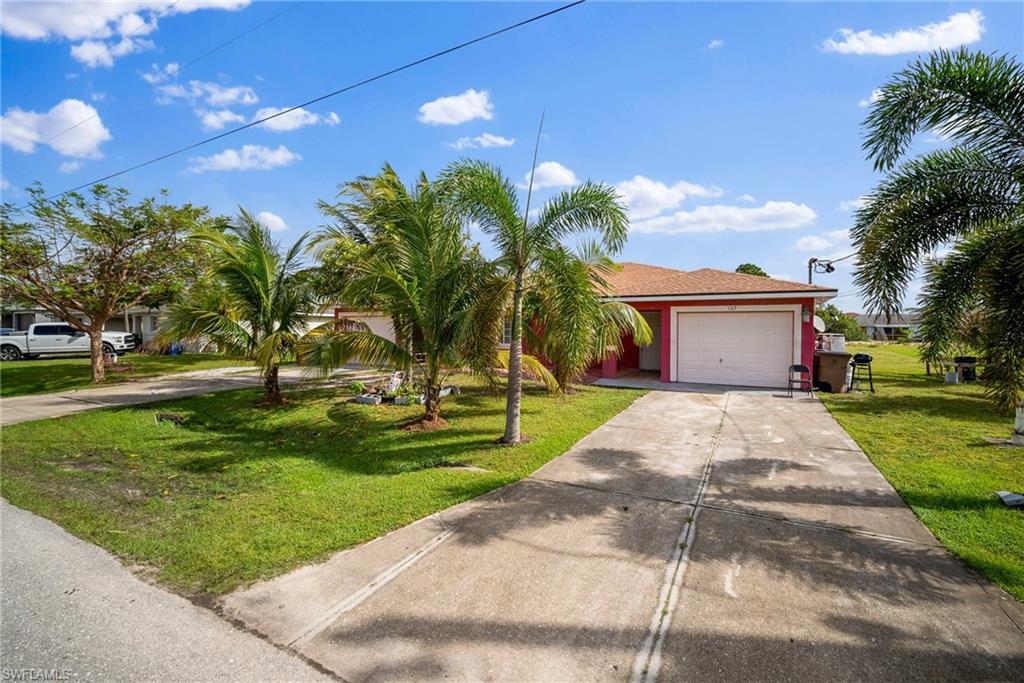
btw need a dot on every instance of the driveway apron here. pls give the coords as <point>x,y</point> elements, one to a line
<point>693,536</point>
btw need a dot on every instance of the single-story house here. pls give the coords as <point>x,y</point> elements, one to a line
<point>878,328</point>
<point>138,319</point>
<point>709,326</point>
<point>716,327</point>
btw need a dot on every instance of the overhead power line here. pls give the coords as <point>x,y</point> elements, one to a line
<point>167,74</point>
<point>334,93</point>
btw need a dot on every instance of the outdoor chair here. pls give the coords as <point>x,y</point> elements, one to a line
<point>799,382</point>
<point>860,362</point>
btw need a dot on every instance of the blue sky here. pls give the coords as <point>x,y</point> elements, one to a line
<point>732,129</point>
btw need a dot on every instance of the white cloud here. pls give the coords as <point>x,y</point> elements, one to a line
<point>484,141</point>
<point>749,198</point>
<point>213,94</point>
<point>271,221</point>
<point>456,109</point>
<point>217,119</point>
<point>811,243</point>
<point>850,205</point>
<point>23,130</point>
<point>96,53</point>
<point>157,74</point>
<point>246,158</point>
<point>551,174</point>
<point>962,28</point>
<point>103,30</point>
<point>5,184</point>
<point>293,120</point>
<point>718,218</point>
<point>715,44</point>
<point>646,198</point>
<point>874,97</point>
<point>832,241</point>
<point>69,166</point>
<point>98,96</point>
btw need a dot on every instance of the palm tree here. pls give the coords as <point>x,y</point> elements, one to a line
<point>570,323</point>
<point>445,300</point>
<point>969,195</point>
<point>482,195</point>
<point>255,301</point>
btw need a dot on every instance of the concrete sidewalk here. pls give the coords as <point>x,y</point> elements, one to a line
<point>42,406</point>
<point>722,536</point>
<point>69,608</point>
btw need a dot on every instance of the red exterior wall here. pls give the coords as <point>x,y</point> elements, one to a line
<point>630,356</point>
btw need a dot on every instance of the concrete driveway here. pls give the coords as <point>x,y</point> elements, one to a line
<point>694,536</point>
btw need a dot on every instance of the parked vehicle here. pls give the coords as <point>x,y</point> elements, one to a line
<point>59,339</point>
<point>4,331</point>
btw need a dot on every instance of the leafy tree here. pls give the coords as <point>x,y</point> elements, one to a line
<point>570,323</point>
<point>483,195</point>
<point>256,302</point>
<point>751,269</point>
<point>968,195</point>
<point>95,255</point>
<point>445,301</point>
<point>837,322</point>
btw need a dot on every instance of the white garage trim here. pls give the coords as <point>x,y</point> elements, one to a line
<point>674,311</point>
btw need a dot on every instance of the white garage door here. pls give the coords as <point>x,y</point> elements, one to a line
<point>752,349</point>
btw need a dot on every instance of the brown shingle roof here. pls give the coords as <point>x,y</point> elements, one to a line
<point>638,279</point>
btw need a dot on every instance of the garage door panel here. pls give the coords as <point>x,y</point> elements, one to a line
<point>743,348</point>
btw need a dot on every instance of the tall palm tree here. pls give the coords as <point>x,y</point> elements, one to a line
<point>256,302</point>
<point>444,299</point>
<point>969,195</point>
<point>482,195</point>
<point>570,323</point>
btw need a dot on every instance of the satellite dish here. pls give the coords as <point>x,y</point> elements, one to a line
<point>819,324</point>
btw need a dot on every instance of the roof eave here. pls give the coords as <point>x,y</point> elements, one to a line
<point>823,294</point>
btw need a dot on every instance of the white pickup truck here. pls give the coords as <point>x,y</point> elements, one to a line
<point>59,339</point>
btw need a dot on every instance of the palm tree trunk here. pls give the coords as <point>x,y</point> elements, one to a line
<point>432,393</point>
<point>99,371</point>
<point>433,402</point>
<point>514,395</point>
<point>271,385</point>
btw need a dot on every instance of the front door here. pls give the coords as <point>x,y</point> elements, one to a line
<point>650,355</point>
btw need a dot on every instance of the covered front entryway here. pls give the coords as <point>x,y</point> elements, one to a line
<point>736,347</point>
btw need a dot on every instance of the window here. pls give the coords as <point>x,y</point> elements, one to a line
<point>46,330</point>
<point>65,329</point>
<point>506,333</point>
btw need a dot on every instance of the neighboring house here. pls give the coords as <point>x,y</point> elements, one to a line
<point>877,327</point>
<point>139,319</point>
<point>709,326</point>
<point>379,323</point>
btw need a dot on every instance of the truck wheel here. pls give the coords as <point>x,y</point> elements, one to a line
<point>108,349</point>
<point>9,352</point>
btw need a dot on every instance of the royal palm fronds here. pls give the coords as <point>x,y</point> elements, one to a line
<point>254,301</point>
<point>479,194</point>
<point>968,196</point>
<point>445,302</point>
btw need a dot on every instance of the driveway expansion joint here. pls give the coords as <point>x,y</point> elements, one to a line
<point>648,660</point>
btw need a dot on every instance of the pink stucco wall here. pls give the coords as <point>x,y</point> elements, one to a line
<point>610,366</point>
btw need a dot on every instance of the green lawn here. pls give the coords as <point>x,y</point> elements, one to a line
<point>21,377</point>
<point>927,439</point>
<point>237,493</point>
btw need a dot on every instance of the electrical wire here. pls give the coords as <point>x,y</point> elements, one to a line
<point>334,93</point>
